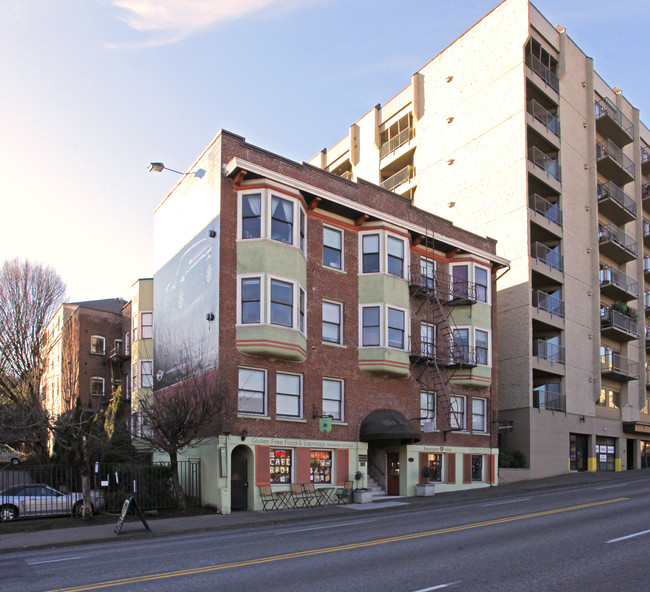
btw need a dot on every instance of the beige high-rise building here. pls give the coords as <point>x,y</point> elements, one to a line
<point>511,133</point>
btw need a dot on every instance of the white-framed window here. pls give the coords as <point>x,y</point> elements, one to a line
<point>134,326</point>
<point>428,409</point>
<point>97,386</point>
<point>383,326</point>
<point>270,300</point>
<point>427,340</point>
<point>479,418</point>
<point>127,343</point>
<point>383,252</point>
<point>127,386</point>
<point>288,395</point>
<point>457,415</point>
<point>146,373</point>
<point>463,275</point>
<point>427,272</point>
<point>134,375</point>
<point>252,391</point>
<point>332,247</point>
<point>271,214</point>
<point>135,424</point>
<point>146,325</point>
<point>472,345</point>
<point>333,393</point>
<point>118,347</point>
<point>332,322</point>
<point>250,300</point>
<point>97,345</point>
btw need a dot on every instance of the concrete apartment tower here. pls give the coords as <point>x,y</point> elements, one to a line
<point>525,143</point>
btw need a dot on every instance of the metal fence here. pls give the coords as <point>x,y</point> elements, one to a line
<point>47,490</point>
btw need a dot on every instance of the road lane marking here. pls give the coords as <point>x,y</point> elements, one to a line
<point>439,587</point>
<point>321,527</point>
<point>629,536</point>
<point>321,551</point>
<point>519,499</point>
<point>612,486</point>
<point>55,560</point>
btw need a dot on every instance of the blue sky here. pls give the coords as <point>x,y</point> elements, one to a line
<point>93,90</point>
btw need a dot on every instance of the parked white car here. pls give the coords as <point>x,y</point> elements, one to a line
<point>38,500</point>
<point>10,456</point>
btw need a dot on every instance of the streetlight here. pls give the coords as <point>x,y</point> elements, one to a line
<point>159,167</point>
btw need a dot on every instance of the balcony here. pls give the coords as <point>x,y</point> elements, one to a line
<point>646,232</point>
<point>611,123</point>
<point>399,178</point>
<point>548,398</point>
<point>614,203</point>
<point>616,244</point>
<point>464,356</point>
<point>546,163</point>
<point>646,267</point>
<point>647,339</point>
<point>548,351</point>
<point>404,137</point>
<point>646,302</point>
<point>546,209</point>
<point>549,309</point>
<point>645,197</point>
<point>614,164</point>
<point>443,287</point>
<point>618,326</point>
<point>119,353</point>
<point>613,365</point>
<point>548,257</point>
<point>647,377</point>
<point>617,285</point>
<point>645,160</point>
<point>548,76</point>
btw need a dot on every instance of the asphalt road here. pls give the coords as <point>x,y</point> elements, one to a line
<point>591,538</point>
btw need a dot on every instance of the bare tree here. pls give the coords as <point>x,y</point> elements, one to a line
<point>182,416</point>
<point>29,296</point>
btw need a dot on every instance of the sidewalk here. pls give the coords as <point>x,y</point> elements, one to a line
<point>133,528</point>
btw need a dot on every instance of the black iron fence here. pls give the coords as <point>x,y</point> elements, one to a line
<point>48,490</point>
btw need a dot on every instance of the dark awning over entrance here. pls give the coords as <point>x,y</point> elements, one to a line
<point>386,425</point>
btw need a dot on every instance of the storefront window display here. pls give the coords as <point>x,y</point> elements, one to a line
<point>434,462</point>
<point>281,464</point>
<point>320,470</point>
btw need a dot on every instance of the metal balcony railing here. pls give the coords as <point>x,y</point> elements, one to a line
<point>645,154</point>
<point>610,232</point>
<point>549,256</point>
<point>545,162</point>
<point>610,190</point>
<point>543,71</point>
<point>550,211</point>
<point>549,120</point>
<point>547,398</point>
<point>466,355</point>
<point>616,363</point>
<point>548,350</point>
<point>618,320</point>
<point>546,302</point>
<point>402,176</point>
<point>646,263</point>
<point>611,275</point>
<point>393,144</point>
<point>607,148</point>
<point>646,299</point>
<point>645,191</point>
<point>606,108</point>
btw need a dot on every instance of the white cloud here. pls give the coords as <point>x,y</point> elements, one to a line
<point>172,20</point>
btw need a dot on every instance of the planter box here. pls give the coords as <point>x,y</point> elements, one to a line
<point>362,497</point>
<point>425,489</point>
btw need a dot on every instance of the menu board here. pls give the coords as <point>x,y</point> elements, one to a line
<point>281,465</point>
<point>320,469</point>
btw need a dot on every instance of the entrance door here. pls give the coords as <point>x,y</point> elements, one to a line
<point>605,453</point>
<point>630,454</point>
<point>578,452</point>
<point>392,479</point>
<point>239,480</point>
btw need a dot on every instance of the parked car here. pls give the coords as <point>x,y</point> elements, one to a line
<point>38,500</point>
<point>10,456</point>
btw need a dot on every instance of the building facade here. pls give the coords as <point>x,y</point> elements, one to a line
<point>527,144</point>
<point>351,332</point>
<point>87,356</point>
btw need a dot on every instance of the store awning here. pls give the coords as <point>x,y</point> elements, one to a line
<point>387,425</point>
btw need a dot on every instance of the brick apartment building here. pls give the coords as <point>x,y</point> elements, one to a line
<point>350,331</point>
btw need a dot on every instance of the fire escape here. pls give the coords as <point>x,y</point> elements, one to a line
<point>118,356</point>
<point>439,351</point>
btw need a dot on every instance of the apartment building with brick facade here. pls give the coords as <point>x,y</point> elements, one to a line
<point>350,331</point>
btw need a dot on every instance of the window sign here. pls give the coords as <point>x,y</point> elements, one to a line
<point>320,470</point>
<point>281,465</point>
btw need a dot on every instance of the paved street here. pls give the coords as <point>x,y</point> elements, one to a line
<point>592,536</point>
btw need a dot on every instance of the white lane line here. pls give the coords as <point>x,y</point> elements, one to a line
<point>439,586</point>
<point>55,560</point>
<point>612,486</point>
<point>629,536</point>
<point>514,501</point>
<point>322,527</point>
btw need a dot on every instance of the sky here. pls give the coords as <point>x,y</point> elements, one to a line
<point>94,90</point>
